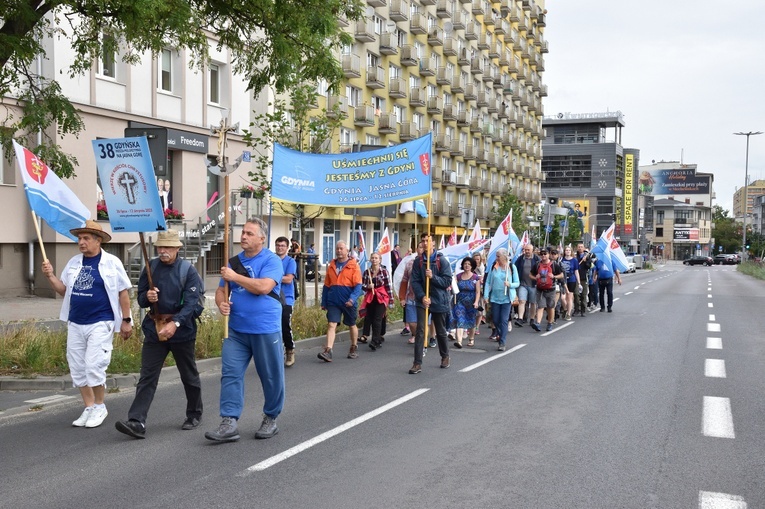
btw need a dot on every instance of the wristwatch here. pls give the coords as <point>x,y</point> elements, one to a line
<point>127,320</point>
<point>177,325</point>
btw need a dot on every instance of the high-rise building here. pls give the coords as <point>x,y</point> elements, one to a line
<point>754,189</point>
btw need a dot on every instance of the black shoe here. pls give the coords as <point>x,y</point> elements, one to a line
<point>268,428</point>
<point>536,327</point>
<point>602,310</point>
<point>227,431</point>
<point>518,323</point>
<point>326,355</point>
<point>134,429</point>
<point>433,343</point>
<point>191,423</point>
<point>609,310</point>
<point>457,345</point>
<point>374,345</point>
<point>582,314</point>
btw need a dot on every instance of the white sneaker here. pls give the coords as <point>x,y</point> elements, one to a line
<point>97,417</point>
<point>83,418</point>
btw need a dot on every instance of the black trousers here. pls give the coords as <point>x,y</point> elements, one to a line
<point>375,317</point>
<point>606,286</point>
<point>153,357</point>
<point>440,321</point>
<point>366,329</point>
<point>289,343</point>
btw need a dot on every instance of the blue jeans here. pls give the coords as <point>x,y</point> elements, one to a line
<point>500,315</point>
<point>266,350</point>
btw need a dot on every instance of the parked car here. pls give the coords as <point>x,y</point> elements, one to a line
<point>698,260</point>
<point>727,259</point>
<point>630,266</point>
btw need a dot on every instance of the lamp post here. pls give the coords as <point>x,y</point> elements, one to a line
<point>746,185</point>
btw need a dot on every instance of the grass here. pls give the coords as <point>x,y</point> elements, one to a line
<point>33,350</point>
<point>754,269</point>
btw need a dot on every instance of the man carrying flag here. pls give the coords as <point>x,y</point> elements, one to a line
<point>607,267</point>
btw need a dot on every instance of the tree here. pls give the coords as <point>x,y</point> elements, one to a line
<point>279,43</point>
<point>291,124</point>
<point>726,231</point>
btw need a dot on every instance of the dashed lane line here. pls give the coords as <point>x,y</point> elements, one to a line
<point>714,343</point>
<point>713,327</point>
<point>712,318</point>
<point>713,500</point>
<point>492,358</point>
<point>717,418</point>
<point>714,368</point>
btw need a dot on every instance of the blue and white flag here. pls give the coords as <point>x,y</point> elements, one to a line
<point>504,237</point>
<point>417,206</point>
<point>48,196</point>
<point>610,252</point>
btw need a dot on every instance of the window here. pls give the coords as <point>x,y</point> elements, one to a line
<point>214,73</point>
<point>7,168</point>
<point>400,112</point>
<point>165,71</point>
<point>354,95</point>
<point>108,63</point>
<point>373,140</point>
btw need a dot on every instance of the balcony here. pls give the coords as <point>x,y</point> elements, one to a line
<point>543,91</point>
<point>472,30</point>
<point>485,185</point>
<point>492,107</point>
<point>514,65</point>
<point>515,13</point>
<point>501,26</point>
<point>428,66</point>
<point>388,44</point>
<point>443,143</point>
<point>523,23</point>
<point>351,65</point>
<point>409,56</point>
<point>387,123</point>
<point>540,64</point>
<point>444,8</point>
<point>487,78</point>
<point>495,48</point>
<point>457,87</point>
<point>457,148</point>
<point>435,105</point>
<point>375,77</point>
<point>459,18</point>
<point>364,116</point>
<point>463,119</point>
<point>463,180</point>
<point>409,131</point>
<point>436,36</point>
<point>449,177</point>
<point>399,10</point>
<point>481,156</point>
<point>474,182</point>
<point>491,161</point>
<point>444,76</point>
<point>397,88</point>
<point>504,58</point>
<point>476,66</point>
<point>470,92</point>
<point>462,58</point>
<point>545,47</point>
<point>365,31</point>
<point>484,40</point>
<point>504,7</point>
<point>416,97</point>
<point>418,24</point>
<point>437,174</point>
<point>476,125</point>
<point>477,7</point>
<point>377,3</point>
<point>337,106</point>
<point>483,100</point>
<point>450,47</point>
<point>342,20</point>
<point>427,2</point>
<point>450,112</point>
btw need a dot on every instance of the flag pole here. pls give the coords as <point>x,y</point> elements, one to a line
<point>154,313</point>
<point>39,236</point>
<point>427,267</point>
<point>226,241</point>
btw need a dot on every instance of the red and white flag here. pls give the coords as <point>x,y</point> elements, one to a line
<point>384,248</point>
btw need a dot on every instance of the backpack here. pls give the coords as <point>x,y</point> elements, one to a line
<point>184,266</point>
<point>545,279</point>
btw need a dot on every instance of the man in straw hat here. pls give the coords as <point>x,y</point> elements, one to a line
<point>96,306</point>
<point>170,327</point>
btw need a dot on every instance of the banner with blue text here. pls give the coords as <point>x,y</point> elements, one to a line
<point>360,179</point>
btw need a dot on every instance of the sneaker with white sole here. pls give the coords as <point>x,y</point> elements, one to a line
<point>97,417</point>
<point>83,418</point>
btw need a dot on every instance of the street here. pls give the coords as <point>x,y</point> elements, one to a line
<point>656,405</point>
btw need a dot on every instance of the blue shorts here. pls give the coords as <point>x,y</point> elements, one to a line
<point>527,294</point>
<point>348,314</point>
<point>410,312</point>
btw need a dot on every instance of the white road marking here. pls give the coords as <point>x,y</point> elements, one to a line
<point>628,293</point>
<point>273,460</point>
<point>714,343</point>
<point>712,318</point>
<point>713,327</point>
<point>714,368</point>
<point>49,399</point>
<point>710,305</point>
<point>709,296</point>
<point>637,288</point>
<point>717,420</point>
<point>492,358</point>
<point>709,288</point>
<point>712,500</point>
<point>557,328</point>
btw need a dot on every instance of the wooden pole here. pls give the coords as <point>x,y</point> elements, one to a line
<point>226,241</point>
<point>147,265</point>
<point>428,249</point>
<point>39,236</point>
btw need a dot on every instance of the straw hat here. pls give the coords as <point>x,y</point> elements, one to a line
<point>93,228</point>
<point>168,238</point>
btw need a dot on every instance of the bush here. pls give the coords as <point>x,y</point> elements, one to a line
<point>754,269</point>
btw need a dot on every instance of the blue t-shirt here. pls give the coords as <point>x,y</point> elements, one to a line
<point>257,314</point>
<point>603,271</point>
<point>89,301</point>
<point>290,267</point>
<point>571,267</point>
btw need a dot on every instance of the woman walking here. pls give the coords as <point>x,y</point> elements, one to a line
<point>464,310</point>
<point>571,268</point>
<point>500,292</point>
<point>376,285</point>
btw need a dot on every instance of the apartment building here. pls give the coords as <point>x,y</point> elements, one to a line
<point>753,190</point>
<point>469,72</point>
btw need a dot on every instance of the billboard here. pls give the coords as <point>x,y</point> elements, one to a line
<point>629,182</point>
<point>675,181</point>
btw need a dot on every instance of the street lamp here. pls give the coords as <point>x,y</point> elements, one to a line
<point>746,184</point>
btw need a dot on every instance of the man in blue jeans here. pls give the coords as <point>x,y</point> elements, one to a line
<point>605,277</point>
<point>255,318</point>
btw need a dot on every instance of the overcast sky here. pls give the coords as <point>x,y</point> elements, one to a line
<point>686,74</point>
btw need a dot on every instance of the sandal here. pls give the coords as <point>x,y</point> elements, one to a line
<point>457,344</point>
<point>471,343</point>
<point>363,339</point>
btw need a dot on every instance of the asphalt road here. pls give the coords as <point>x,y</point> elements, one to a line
<point>619,410</point>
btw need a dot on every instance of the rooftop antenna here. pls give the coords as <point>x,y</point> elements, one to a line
<point>681,156</point>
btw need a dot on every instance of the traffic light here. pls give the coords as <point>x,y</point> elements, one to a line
<point>552,201</point>
<point>613,217</point>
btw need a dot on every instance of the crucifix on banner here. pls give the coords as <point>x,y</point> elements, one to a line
<point>222,169</point>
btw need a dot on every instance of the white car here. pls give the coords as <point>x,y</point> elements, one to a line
<point>630,266</point>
